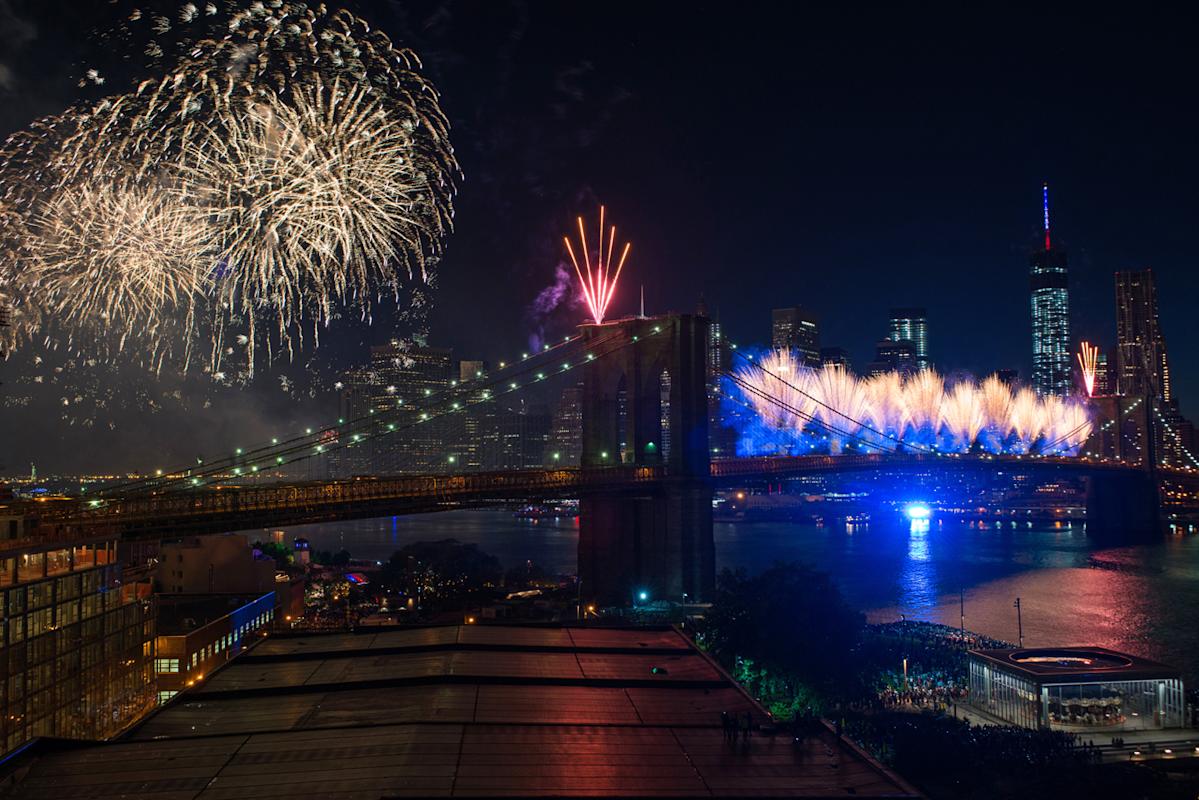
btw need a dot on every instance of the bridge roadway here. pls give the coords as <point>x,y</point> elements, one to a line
<point>230,507</point>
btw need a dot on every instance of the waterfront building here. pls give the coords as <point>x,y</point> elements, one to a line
<point>1142,368</point>
<point>911,324</point>
<point>1081,689</point>
<point>77,639</point>
<point>197,634</point>
<point>1052,369</point>
<point>221,563</point>
<point>796,329</point>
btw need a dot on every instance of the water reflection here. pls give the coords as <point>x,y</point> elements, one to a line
<point>1142,599</point>
<point>919,573</point>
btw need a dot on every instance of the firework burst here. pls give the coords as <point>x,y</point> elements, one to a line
<point>296,154</point>
<point>1088,362</point>
<point>599,281</point>
<point>829,409</point>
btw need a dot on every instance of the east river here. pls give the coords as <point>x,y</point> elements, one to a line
<point>1142,599</point>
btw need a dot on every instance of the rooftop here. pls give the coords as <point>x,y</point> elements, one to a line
<point>459,710</point>
<point>183,613</point>
<point>1075,664</point>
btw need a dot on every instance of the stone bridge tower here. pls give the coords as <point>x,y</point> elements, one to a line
<point>645,405</point>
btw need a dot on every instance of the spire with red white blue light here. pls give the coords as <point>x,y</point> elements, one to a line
<point>1045,199</point>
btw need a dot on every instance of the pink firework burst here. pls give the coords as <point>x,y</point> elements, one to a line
<point>598,280</point>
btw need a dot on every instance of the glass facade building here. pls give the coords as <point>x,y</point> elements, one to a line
<point>1142,367</point>
<point>911,325</point>
<point>76,642</point>
<point>1076,688</point>
<point>796,329</point>
<point>1052,371</point>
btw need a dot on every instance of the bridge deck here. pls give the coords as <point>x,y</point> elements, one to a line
<point>174,511</point>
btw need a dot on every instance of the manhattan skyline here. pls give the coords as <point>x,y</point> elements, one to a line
<point>761,164</point>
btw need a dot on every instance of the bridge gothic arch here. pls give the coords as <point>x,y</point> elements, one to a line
<point>656,540</point>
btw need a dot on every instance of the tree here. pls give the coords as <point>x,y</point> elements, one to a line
<point>448,558</point>
<point>790,618</point>
<point>280,552</point>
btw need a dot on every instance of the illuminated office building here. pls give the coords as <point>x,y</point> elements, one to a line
<point>1141,364</point>
<point>796,329</point>
<point>911,324</point>
<point>76,639</point>
<point>1048,281</point>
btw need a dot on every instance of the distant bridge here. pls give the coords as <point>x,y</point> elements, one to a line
<point>240,507</point>
<point>647,523</point>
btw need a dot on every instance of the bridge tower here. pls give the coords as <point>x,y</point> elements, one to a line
<point>645,406</point>
<point>1125,505</point>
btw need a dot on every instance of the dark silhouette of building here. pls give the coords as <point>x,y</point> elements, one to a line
<point>892,356</point>
<point>836,356</point>
<point>1141,364</point>
<point>796,329</point>
<point>466,440</point>
<point>515,435</point>
<point>911,324</point>
<point>1048,283</point>
<point>565,444</point>
<point>722,435</point>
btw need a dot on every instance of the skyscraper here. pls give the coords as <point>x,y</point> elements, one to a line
<point>721,436</point>
<point>893,356</point>
<point>1141,364</point>
<point>1103,376</point>
<point>1051,367</point>
<point>565,445</point>
<point>403,379</point>
<point>796,329</point>
<point>912,324</point>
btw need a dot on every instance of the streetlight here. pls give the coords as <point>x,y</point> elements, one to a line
<point>1019,623</point>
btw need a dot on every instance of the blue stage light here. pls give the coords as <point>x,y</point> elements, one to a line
<point>917,511</point>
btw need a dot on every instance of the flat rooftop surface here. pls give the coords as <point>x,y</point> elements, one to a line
<point>480,711</point>
<point>186,613</point>
<point>1075,664</point>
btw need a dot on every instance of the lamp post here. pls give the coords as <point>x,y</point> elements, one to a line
<point>962,611</point>
<point>1019,623</point>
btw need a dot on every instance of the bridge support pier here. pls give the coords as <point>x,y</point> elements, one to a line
<point>1123,506</point>
<point>659,544</point>
<point>645,404</point>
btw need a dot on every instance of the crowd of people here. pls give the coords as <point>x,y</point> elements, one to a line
<point>918,744</point>
<point>920,664</point>
<point>935,690</point>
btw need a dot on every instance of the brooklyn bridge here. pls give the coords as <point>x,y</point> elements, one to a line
<point>645,518</point>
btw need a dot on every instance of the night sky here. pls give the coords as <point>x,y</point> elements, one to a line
<point>768,154</point>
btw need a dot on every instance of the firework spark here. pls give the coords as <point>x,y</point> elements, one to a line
<point>1088,362</point>
<point>599,282</point>
<point>798,409</point>
<point>295,153</point>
